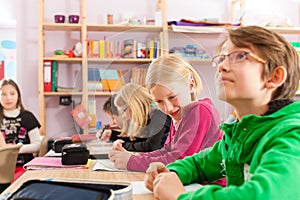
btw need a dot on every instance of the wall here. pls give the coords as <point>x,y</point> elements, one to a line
<point>25,12</point>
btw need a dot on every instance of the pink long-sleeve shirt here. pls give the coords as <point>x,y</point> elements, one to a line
<point>197,130</point>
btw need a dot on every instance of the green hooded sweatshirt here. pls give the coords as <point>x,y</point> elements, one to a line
<point>259,156</point>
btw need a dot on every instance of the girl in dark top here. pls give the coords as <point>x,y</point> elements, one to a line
<point>144,127</point>
<point>18,125</point>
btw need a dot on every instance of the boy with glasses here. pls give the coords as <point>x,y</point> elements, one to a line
<point>258,74</point>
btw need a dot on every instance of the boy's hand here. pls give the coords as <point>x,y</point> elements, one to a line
<point>167,186</point>
<point>153,170</point>
<point>105,135</point>
<point>117,145</point>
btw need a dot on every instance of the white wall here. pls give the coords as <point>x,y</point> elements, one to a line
<point>25,12</point>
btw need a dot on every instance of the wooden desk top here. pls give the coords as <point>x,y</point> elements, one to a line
<point>86,174</point>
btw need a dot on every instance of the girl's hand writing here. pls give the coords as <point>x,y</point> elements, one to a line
<point>105,135</point>
<point>120,158</point>
<point>117,145</point>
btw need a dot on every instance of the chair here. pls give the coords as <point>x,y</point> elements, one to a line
<point>8,155</point>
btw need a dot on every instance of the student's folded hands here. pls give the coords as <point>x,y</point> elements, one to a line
<point>158,177</point>
<point>153,170</point>
<point>167,186</point>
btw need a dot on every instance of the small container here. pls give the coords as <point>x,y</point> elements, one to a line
<point>59,143</point>
<point>59,18</point>
<point>73,19</point>
<point>74,154</point>
<point>110,19</point>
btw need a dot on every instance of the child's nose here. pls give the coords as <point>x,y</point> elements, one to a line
<point>223,66</point>
<point>168,106</point>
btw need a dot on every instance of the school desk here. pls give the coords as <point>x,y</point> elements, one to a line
<point>86,174</point>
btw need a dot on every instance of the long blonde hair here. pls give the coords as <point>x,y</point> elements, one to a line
<point>171,69</point>
<point>138,100</point>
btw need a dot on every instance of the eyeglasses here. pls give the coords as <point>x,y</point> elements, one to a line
<point>235,57</point>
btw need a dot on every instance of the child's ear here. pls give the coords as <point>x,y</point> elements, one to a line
<point>192,85</point>
<point>277,78</point>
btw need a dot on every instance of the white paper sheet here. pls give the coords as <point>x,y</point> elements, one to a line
<point>138,187</point>
<point>105,165</point>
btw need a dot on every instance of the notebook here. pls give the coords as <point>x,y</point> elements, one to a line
<point>52,163</point>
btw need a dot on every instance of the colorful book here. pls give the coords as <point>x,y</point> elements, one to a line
<point>118,49</point>
<point>93,49</point>
<point>94,74</point>
<point>110,79</point>
<point>54,76</point>
<point>129,48</point>
<point>94,80</point>
<point>47,76</point>
<point>122,80</point>
<point>151,49</point>
<point>92,111</point>
<point>101,48</point>
<point>1,69</point>
<point>94,86</point>
<point>141,50</point>
<point>81,116</point>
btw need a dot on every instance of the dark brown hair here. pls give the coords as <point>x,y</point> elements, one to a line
<point>109,105</point>
<point>19,101</point>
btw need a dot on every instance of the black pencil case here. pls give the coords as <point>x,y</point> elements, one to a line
<point>59,143</point>
<point>75,154</point>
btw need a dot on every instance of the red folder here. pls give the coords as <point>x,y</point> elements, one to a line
<point>47,76</point>
<point>1,69</point>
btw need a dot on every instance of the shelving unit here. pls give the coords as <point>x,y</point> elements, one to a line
<point>83,28</point>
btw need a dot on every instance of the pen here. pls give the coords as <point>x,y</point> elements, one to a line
<point>105,127</point>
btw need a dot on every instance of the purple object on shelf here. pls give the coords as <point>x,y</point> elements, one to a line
<point>181,23</point>
<point>59,18</point>
<point>73,19</point>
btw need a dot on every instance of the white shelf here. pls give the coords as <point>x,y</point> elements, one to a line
<point>198,29</point>
<point>222,29</point>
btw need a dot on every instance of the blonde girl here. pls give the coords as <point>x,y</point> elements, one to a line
<point>145,128</point>
<point>174,85</point>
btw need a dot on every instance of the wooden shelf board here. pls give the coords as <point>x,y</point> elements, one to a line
<point>64,59</point>
<point>103,28</point>
<point>61,27</point>
<point>99,93</point>
<point>119,28</point>
<point>285,30</point>
<point>204,61</point>
<point>119,60</point>
<point>61,93</point>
